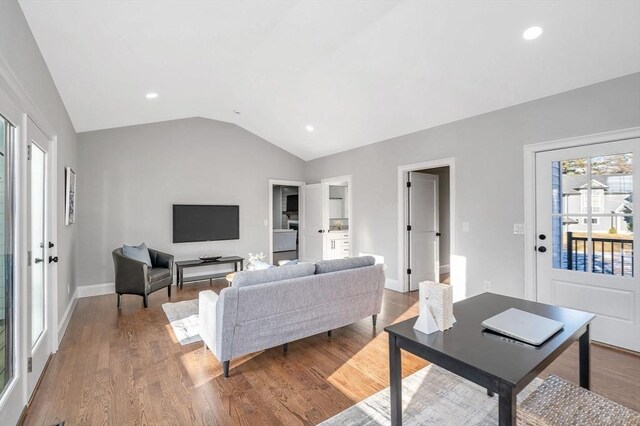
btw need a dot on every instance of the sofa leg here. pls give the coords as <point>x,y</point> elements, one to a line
<point>119,302</point>
<point>329,333</point>
<point>225,369</point>
<point>169,291</point>
<point>146,301</point>
<point>285,348</point>
<point>375,319</point>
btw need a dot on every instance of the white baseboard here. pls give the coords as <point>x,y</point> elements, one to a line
<point>96,290</point>
<point>393,285</point>
<point>445,269</point>
<point>64,322</point>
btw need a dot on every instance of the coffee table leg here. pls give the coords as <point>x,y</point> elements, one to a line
<point>585,359</point>
<point>507,406</point>
<point>395,373</point>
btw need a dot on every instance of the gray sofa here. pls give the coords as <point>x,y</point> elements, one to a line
<point>273,307</point>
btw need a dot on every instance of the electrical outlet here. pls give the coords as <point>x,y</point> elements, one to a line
<point>465,226</point>
<point>266,222</point>
<point>487,285</point>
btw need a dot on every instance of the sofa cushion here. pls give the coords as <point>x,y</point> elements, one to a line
<point>246,278</point>
<point>156,274</point>
<point>140,253</point>
<point>325,266</point>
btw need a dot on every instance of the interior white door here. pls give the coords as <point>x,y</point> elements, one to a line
<point>587,251</point>
<point>39,295</point>
<point>423,236</point>
<point>314,221</point>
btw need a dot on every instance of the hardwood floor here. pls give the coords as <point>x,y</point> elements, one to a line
<point>123,367</point>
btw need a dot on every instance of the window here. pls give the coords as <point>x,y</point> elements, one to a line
<point>594,220</point>
<point>7,132</point>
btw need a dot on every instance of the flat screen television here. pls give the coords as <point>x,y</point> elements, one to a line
<point>193,223</point>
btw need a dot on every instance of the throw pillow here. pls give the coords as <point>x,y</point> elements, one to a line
<point>140,253</point>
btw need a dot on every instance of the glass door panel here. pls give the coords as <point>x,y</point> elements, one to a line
<point>592,214</point>
<point>6,255</point>
<point>38,185</point>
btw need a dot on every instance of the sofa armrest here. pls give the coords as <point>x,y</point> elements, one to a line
<point>207,305</point>
<point>131,275</point>
<point>160,259</point>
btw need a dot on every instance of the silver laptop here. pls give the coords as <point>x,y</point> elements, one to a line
<point>523,326</point>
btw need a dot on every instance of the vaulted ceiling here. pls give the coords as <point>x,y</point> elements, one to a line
<point>357,71</point>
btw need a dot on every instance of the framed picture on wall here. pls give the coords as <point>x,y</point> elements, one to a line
<point>70,196</point>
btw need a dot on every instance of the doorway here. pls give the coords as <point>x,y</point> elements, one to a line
<point>584,236</point>
<point>284,211</point>
<point>426,211</point>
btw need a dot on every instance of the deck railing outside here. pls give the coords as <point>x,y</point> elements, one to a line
<point>613,256</point>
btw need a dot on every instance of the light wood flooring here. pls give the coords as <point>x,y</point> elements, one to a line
<point>122,367</point>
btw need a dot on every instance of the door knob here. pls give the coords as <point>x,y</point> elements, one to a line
<point>542,249</point>
<point>438,234</point>
<point>321,231</point>
<point>37,260</point>
<point>53,259</point>
<point>51,245</point>
<point>542,237</point>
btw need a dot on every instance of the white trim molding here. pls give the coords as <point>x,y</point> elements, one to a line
<point>95,290</point>
<point>68,313</point>
<point>450,162</point>
<point>530,151</point>
<point>445,269</point>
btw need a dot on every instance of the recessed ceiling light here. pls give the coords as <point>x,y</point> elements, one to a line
<point>532,33</point>
<point>152,95</point>
<point>309,128</point>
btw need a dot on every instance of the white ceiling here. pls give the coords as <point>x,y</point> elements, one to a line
<point>358,71</point>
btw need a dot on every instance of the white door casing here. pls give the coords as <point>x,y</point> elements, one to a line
<point>313,221</point>
<point>41,325</point>
<point>615,299</point>
<point>424,251</point>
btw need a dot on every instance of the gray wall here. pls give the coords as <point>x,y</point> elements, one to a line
<point>129,178</point>
<point>20,52</point>
<point>489,175</point>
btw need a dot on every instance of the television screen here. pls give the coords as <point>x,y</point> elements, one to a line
<point>193,223</point>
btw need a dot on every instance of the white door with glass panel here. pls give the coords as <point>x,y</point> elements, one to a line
<point>587,255</point>
<point>38,228</point>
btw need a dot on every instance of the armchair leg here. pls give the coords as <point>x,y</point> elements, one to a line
<point>146,301</point>
<point>375,319</point>
<point>329,333</point>
<point>169,291</point>
<point>119,303</point>
<point>225,369</point>
<point>285,348</point>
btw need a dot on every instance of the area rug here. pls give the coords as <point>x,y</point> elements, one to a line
<point>431,396</point>
<point>183,318</point>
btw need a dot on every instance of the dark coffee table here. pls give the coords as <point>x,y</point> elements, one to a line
<point>497,363</point>
<point>236,261</point>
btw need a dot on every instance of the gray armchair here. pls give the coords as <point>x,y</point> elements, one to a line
<point>135,277</point>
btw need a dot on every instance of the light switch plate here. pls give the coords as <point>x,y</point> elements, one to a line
<point>518,228</point>
<point>465,226</point>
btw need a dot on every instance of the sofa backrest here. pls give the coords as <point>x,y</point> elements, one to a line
<point>334,265</point>
<point>247,278</point>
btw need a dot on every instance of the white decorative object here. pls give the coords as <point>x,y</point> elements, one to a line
<point>436,307</point>
<point>254,259</point>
